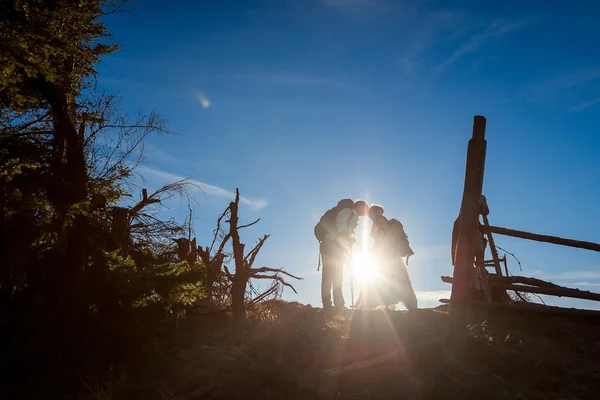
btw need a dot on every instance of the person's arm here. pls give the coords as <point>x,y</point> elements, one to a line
<point>342,224</point>
<point>341,221</point>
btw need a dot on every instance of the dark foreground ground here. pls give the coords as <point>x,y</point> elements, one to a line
<point>289,351</point>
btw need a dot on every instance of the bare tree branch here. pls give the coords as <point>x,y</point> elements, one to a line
<point>218,229</point>
<point>223,243</point>
<point>229,275</point>
<point>248,225</point>
<point>275,278</point>
<point>274,270</point>
<point>254,252</point>
<point>263,295</point>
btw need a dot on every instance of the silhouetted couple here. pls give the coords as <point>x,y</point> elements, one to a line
<point>335,233</point>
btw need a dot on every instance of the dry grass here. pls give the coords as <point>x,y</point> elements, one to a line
<point>290,351</point>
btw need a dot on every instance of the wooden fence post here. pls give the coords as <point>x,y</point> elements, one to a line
<point>467,233</point>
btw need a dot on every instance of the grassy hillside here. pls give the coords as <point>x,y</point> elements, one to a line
<point>290,351</point>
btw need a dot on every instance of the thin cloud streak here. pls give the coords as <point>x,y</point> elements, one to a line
<point>156,154</point>
<point>431,24</point>
<point>569,80</point>
<point>585,105</point>
<point>210,190</point>
<point>548,88</point>
<point>497,29</point>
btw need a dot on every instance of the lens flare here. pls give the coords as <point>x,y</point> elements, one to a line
<point>363,268</point>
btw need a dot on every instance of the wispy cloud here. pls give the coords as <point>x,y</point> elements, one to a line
<point>208,189</point>
<point>154,153</point>
<point>551,88</point>
<point>571,79</point>
<point>474,42</point>
<point>585,105</point>
<point>428,27</point>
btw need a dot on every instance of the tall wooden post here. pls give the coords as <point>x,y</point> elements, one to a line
<point>467,233</point>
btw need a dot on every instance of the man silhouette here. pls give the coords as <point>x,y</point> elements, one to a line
<point>335,233</point>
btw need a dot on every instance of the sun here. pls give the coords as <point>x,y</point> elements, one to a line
<point>363,268</point>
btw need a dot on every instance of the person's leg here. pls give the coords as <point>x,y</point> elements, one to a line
<point>409,298</point>
<point>326,278</point>
<point>338,277</point>
<point>406,294</point>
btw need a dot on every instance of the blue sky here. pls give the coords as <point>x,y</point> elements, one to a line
<point>301,103</point>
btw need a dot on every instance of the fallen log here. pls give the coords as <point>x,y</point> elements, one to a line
<point>542,238</point>
<point>523,280</point>
<point>537,308</point>
<point>533,285</point>
<point>558,291</point>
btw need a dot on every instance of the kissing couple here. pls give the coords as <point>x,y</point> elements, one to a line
<point>335,232</point>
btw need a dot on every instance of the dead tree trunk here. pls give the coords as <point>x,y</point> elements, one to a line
<point>244,263</point>
<point>120,229</point>
<point>467,231</point>
<point>67,187</point>
<point>240,278</point>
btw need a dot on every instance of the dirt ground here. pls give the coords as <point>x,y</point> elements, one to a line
<point>290,351</point>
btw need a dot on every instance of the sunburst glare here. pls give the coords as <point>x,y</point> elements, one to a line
<point>363,268</point>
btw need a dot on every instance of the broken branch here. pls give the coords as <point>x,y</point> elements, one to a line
<point>274,270</point>
<point>218,229</point>
<point>247,225</point>
<point>229,275</point>
<point>254,252</point>
<point>275,278</point>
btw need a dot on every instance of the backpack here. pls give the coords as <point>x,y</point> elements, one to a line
<point>401,238</point>
<point>326,224</point>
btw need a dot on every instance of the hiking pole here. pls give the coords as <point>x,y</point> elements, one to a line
<point>319,264</point>
<point>352,287</point>
<point>351,280</point>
